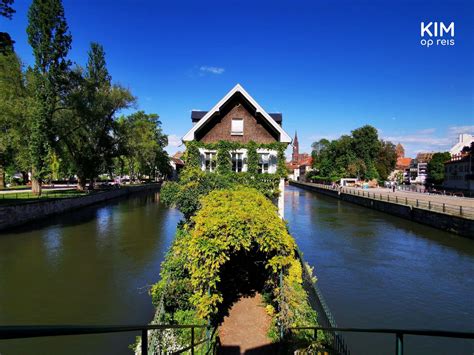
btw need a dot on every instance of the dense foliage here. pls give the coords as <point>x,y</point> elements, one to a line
<point>436,171</point>
<point>195,183</point>
<point>362,155</point>
<point>232,221</point>
<point>58,122</point>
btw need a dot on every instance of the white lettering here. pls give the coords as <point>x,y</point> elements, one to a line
<point>445,29</point>
<point>426,29</point>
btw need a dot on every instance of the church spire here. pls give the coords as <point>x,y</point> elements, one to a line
<point>296,154</point>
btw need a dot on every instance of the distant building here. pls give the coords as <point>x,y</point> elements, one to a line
<point>401,166</point>
<point>417,172</point>
<point>300,164</point>
<point>176,164</point>
<point>459,171</point>
<point>465,140</point>
<point>237,117</point>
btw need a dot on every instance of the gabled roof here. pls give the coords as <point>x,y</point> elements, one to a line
<point>284,137</point>
<point>197,115</point>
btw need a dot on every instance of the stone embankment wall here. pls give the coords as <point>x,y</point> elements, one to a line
<point>16,215</point>
<point>454,224</point>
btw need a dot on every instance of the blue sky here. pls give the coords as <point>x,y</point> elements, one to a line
<point>328,66</point>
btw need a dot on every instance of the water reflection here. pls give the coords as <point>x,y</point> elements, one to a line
<point>88,266</point>
<point>377,270</point>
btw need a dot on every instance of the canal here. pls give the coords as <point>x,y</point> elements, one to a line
<point>380,271</point>
<point>93,266</point>
<point>90,266</point>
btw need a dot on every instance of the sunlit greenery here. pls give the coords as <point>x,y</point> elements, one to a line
<point>60,121</point>
<point>361,154</point>
<point>231,222</point>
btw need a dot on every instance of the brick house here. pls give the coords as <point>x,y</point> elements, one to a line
<point>237,117</point>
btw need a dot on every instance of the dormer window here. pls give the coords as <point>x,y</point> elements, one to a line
<point>237,128</point>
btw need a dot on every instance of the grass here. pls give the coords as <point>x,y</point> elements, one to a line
<point>27,196</point>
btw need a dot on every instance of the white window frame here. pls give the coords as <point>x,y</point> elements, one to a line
<point>272,159</point>
<point>233,129</point>
<point>262,163</point>
<point>212,161</point>
<point>241,155</point>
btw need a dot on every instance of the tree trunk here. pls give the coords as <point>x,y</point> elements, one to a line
<point>91,184</point>
<point>2,177</point>
<point>24,175</point>
<point>36,187</point>
<point>81,183</point>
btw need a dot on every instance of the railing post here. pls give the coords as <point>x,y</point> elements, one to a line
<point>399,344</point>
<point>460,210</point>
<point>396,199</point>
<point>416,202</point>
<point>444,207</point>
<point>429,205</point>
<point>144,342</point>
<point>406,200</point>
<point>192,340</point>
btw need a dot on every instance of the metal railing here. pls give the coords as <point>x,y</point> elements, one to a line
<point>20,332</point>
<point>422,203</point>
<point>399,334</point>
<point>319,304</point>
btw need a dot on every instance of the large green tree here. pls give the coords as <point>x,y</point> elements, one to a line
<point>436,168</point>
<point>386,160</point>
<point>49,37</point>
<point>360,155</point>
<point>11,108</point>
<point>142,145</point>
<point>87,129</point>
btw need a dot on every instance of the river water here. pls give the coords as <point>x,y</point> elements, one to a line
<point>90,266</point>
<point>380,271</point>
<point>93,266</point>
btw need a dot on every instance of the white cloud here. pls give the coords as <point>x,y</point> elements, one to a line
<point>174,141</point>
<point>426,140</point>
<point>455,130</point>
<point>426,131</point>
<point>212,70</point>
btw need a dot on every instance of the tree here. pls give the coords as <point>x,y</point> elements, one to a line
<point>49,37</point>
<point>360,155</point>
<point>366,144</point>
<point>386,160</point>
<point>6,9</point>
<point>142,145</point>
<point>12,110</point>
<point>436,168</point>
<point>87,129</point>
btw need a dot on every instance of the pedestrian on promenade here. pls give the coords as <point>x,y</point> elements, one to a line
<point>393,188</point>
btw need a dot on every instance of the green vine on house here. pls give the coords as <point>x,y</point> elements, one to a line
<point>195,183</point>
<point>229,222</point>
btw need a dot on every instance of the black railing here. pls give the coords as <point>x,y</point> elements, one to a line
<point>19,332</point>
<point>399,334</point>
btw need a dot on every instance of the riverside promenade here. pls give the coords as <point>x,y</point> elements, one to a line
<point>449,213</point>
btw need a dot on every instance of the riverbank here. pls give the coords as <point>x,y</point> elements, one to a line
<point>19,214</point>
<point>457,224</point>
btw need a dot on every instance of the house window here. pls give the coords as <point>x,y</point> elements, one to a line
<point>263,162</point>
<point>210,161</point>
<point>237,162</point>
<point>237,128</point>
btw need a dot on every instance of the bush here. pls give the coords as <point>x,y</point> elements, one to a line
<point>195,183</point>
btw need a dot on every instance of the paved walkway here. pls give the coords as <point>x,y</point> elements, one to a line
<point>45,188</point>
<point>244,330</point>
